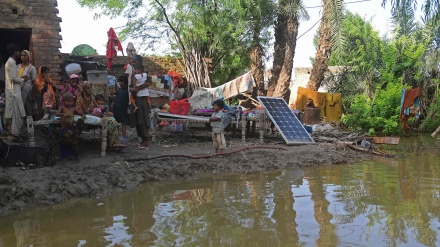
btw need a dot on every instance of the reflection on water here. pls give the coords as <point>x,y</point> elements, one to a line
<point>385,202</point>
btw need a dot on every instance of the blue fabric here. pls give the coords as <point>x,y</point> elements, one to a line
<point>168,78</point>
<point>416,103</point>
<point>120,105</point>
<point>402,99</point>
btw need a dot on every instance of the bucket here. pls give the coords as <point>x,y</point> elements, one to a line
<point>312,115</point>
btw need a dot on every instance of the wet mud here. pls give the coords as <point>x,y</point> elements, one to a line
<point>189,154</point>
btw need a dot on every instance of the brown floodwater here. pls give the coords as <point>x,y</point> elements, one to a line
<point>383,202</point>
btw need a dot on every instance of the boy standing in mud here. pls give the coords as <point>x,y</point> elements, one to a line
<point>218,136</point>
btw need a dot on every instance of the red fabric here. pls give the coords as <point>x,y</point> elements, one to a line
<point>408,100</point>
<point>111,43</point>
<point>176,78</point>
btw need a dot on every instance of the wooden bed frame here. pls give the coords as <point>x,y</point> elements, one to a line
<point>47,119</point>
<point>168,117</point>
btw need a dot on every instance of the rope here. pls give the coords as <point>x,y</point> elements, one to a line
<point>202,156</point>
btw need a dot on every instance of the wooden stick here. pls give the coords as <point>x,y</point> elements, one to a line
<point>436,132</point>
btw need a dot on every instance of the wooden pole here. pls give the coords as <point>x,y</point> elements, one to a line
<point>104,129</point>
<point>436,132</point>
<point>243,130</point>
<point>155,124</point>
<point>31,131</point>
<point>261,126</point>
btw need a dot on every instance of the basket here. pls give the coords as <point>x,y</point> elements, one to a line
<point>180,107</point>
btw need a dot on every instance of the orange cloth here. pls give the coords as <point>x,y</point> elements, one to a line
<point>333,107</point>
<point>49,96</point>
<point>176,78</point>
<point>408,100</point>
<point>318,98</point>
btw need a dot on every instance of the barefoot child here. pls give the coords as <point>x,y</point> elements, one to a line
<point>67,109</point>
<point>218,136</point>
<point>68,135</point>
<point>141,78</point>
<point>120,104</point>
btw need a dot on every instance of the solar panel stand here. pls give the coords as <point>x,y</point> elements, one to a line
<point>287,123</point>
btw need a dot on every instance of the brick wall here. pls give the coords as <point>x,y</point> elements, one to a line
<point>41,18</point>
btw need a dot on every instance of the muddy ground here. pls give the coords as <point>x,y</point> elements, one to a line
<point>99,176</point>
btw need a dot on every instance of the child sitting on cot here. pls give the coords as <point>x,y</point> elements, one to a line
<point>218,136</point>
<point>99,109</point>
<point>140,79</point>
<point>67,109</point>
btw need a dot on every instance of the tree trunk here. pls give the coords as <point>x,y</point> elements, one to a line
<point>286,32</point>
<point>285,76</point>
<point>278,55</point>
<point>257,68</point>
<point>323,52</point>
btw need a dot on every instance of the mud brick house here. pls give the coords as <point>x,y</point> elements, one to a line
<point>33,25</point>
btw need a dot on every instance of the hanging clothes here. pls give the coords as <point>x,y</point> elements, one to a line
<point>410,97</point>
<point>304,94</point>
<point>333,107</point>
<point>113,46</point>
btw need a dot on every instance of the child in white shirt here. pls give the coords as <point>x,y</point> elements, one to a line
<point>141,78</point>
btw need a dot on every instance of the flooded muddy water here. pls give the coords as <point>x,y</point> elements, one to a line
<point>383,202</point>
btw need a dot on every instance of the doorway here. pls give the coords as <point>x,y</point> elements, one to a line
<point>21,37</point>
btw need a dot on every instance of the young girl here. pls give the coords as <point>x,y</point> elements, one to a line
<point>120,104</point>
<point>64,88</point>
<point>141,78</point>
<point>44,88</point>
<point>75,88</point>
<point>99,109</point>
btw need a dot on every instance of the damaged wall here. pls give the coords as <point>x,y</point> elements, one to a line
<point>34,25</point>
<point>153,64</point>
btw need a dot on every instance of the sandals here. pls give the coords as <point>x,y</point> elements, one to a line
<point>142,146</point>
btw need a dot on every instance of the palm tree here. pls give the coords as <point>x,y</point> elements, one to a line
<point>286,32</point>
<point>329,36</point>
<point>429,7</point>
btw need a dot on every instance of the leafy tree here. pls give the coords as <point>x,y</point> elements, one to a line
<point>200,30</point>
<point>258,16</point>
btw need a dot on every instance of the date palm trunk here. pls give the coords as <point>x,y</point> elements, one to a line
<point>286,32</point>
<point>323,52</point>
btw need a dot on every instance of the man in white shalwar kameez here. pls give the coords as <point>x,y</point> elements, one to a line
<point>14,109</point>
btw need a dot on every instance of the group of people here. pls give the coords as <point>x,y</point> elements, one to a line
<point>16,90</point>
<point>27,91</point>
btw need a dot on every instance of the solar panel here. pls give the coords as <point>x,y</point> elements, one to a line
<point>285,120</point>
